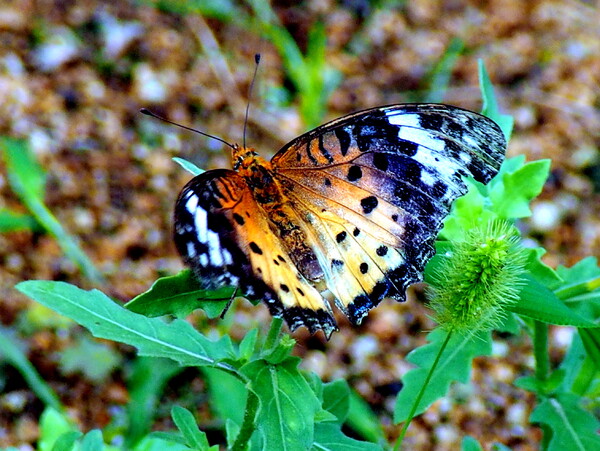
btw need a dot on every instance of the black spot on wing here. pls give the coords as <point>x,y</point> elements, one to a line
<point>255,248</point>
<point>340,237</point>
<point>354,173</point>
<point>369,204</point>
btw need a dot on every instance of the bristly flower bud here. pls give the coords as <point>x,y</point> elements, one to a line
<point>479,278</point>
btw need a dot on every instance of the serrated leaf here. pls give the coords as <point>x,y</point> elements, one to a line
<point>329,436</point>
<point>186,423</point>
<point>539,270</point>
<point>179,295</point>
<point>288,405</point>
<point>468,212</point>
<point>490,106</point>
<point>539,303</point>
<point>454,365</point>
<point>336,398</point>
<point>92,309</point>
<point>569,425</point>
<point>511,197</point>
<point>188,166</point>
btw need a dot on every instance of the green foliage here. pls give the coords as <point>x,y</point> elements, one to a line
<point>256,389</point>
<point>438,79</point>
<point>454,365</point>
<point>180,295</point>
<point>188,166</point>
<point>565,424</point>
<point>27,179</point>
<point>284,408</point>
<point>95,360</point>
<point>11,352</point>
<point>313,79</point>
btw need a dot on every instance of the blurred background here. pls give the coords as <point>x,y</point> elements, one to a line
<point>74,74</point>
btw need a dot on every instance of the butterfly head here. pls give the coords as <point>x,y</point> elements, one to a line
<point>243,157</point>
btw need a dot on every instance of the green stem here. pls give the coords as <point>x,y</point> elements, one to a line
<point>273,335</point>
<point>249,423</point>
<point>540,350</point>
<point>415,405</point>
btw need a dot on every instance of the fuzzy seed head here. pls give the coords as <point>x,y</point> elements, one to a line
<point>479,279</point>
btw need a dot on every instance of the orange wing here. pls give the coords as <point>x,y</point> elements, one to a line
<point>225,237</point>
<point>374,187</point>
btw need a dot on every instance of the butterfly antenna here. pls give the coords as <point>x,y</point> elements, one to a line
<point>147,112</point>
<point>256,61</point>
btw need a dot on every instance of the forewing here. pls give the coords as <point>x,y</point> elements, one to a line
<point>391,173</point>
<point>225,237</point>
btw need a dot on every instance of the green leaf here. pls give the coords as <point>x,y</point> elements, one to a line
<point>329,436</point>
<point>511,191</point>
<point>92,441</point>
<point>227,395</point>
<point>581,371</point>
<point>53,425</point>
<point>66,441</point>
<point>186,423</point>
<point>27,180</point>
<point>179,295</point>
<point>439,78</point>
<point>336,398</point>
<point>468,212</point>
<point>25,175</point>
<point>539,303</point>
<point>591,343</point>
<point>470,444</point>
<point>188,166</point>
<point>490,106</point>
<point>581,287</point>
<point>363,420</point>
<point>95,360</point>
<point>11,221</point>
<point>92,309</point>
<point>454,365</point>
<point>11,352</point>
<point>248,345</point>
<point>539,270</point>
<point>288,405</point>
<point>566,425</point>
<point>145,383</point>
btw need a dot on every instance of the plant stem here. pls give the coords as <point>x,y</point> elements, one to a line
<point>273,335</point>
<point>540,350</point>
<point>415,405</point>
<point>249,423</point>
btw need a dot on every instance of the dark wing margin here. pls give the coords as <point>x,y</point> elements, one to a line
<point>223,235</point>
<point>391,173</point>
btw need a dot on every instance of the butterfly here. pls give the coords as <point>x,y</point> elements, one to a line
<point>345,214</point>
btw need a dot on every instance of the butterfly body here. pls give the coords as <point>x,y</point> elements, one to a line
<point>346,213</point>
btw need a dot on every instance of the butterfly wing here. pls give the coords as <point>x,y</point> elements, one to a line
<point>225,237</point>
<point>373,188</point>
